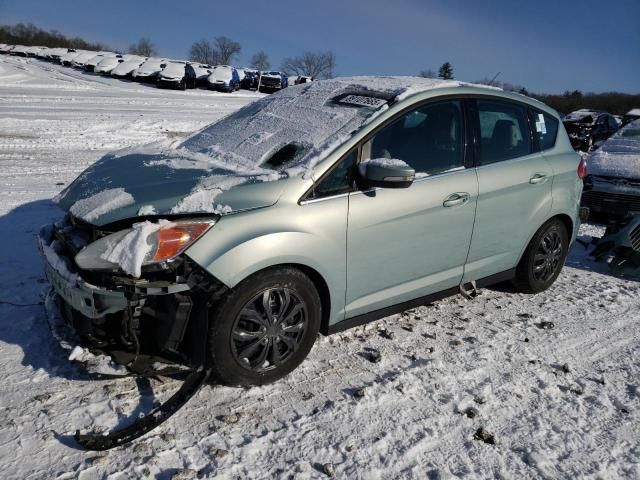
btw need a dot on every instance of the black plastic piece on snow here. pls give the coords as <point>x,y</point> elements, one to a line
<point>143,425</point>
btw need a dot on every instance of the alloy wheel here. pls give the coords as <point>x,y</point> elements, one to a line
<point>547,259</point>
<point>269,329</point>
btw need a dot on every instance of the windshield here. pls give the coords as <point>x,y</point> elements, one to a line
<point>285,129</point>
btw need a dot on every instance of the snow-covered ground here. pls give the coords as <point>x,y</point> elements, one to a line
<point>554,377</point>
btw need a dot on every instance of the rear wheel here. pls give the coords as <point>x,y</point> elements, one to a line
<point>543,259</point>
<point>264,328</point>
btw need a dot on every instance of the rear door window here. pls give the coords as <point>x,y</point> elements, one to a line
<point>504,131</point>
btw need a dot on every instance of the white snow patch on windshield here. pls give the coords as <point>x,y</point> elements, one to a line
<point>130,251</point>
<point>202,197</point>
<point>90,208</point>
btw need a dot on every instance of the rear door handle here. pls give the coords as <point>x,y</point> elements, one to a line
<point>539,177</point>
<point>458,198</point>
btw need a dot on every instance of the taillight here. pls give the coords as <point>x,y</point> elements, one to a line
<point>582,168</point>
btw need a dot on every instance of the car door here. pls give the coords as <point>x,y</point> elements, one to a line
<point>514,182</point>
<point>407,243</point>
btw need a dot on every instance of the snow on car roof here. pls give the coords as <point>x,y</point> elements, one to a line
<point>308,119</point>
<point>619,156</point>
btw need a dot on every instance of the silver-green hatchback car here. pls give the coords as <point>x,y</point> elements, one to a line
<point>319,208</point>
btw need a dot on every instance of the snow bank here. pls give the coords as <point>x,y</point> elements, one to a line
<point>102,202</point>
<point>130,251</point>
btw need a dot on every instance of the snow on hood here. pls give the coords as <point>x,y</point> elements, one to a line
<point>166,183</point>
<point>222,74</point>
<point>173,70</point>
<point>619,156</point>
<point>151,66</point>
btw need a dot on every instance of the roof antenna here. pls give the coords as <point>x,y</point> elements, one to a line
<point>494,78</point>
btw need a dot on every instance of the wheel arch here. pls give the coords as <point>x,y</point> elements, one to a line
<point>566,221</point>
<point>318,281</point>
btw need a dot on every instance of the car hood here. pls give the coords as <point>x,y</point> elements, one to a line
<point>162,185</point>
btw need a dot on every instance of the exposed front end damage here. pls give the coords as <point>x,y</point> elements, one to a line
<point>153,324</point>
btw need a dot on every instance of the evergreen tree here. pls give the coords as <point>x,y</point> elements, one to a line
<point>446,71</point>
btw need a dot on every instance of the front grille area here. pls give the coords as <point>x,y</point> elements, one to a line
<point>611,201</point>
<point>634,236</point>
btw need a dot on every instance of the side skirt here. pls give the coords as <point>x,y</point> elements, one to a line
<point>401,307</point>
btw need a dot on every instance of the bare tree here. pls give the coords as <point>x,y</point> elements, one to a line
<point>260,61</point>
<point>202,52</point>
<point>225,50</point>
<point>428,73</point>
<point>317,65</point>
<point>144,48</point>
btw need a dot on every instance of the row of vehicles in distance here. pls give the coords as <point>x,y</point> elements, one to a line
<point>164,72</point>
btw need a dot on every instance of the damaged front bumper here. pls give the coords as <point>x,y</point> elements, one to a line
<point>139,323</point>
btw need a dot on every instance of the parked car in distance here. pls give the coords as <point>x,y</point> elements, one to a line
<point>202,72</point>
<point>250,79</point>
<point>125,69</point>
<point>588,127</point>
<point>303,79</point>
<point>79,61</point>
<point>67,58</point>
<point>20,50</point>
<point>273,81</point>
<point>34,51</point>
<point>223,78</point>
<point>107,64</point>
<point>612,188</point>
<point>178,75</point>
<point>90,65</point>
<point>241,260</point>
<point>631,115</point>
<point>149,70</point>
<point>55,54</point>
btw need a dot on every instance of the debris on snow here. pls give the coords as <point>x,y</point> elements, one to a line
<point>486,437</point>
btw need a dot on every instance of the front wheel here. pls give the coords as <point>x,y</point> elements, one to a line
<point>264,328</point>
<point>544,258</point>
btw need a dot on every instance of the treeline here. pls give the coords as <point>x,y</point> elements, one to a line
<point>613,102</point>
<point>616,103</point>
<point>29,34</point>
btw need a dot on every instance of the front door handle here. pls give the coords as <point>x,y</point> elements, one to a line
<point>458,198</point>
<point>539,177</point>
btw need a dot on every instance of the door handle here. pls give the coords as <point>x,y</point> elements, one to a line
<point>539,177</point>
<point>458,198</point>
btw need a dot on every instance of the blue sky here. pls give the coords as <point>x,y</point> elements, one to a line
<point>545,45</point>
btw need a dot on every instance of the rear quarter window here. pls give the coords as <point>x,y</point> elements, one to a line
<point>546,128</point>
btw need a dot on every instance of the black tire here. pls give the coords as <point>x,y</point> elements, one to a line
<point>235,329</point>
<point>543,259</point>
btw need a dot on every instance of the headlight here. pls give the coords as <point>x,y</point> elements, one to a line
<point>144,243</point>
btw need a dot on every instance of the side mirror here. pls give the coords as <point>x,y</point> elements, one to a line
<point>386,173</point>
